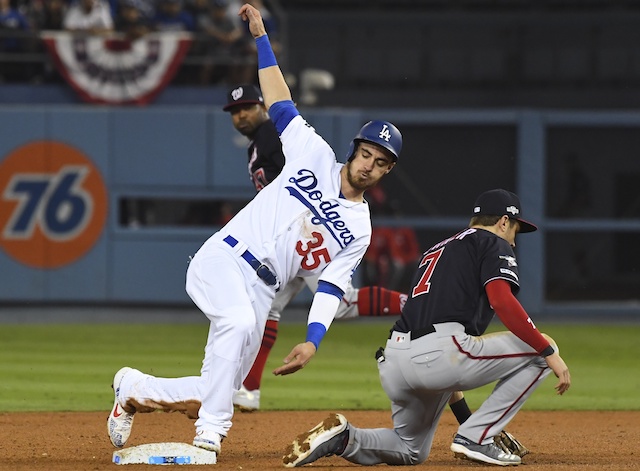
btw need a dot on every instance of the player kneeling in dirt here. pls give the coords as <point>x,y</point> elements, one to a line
<point>437,347</point>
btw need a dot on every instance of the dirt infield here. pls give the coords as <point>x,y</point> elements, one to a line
<point>78,441</point>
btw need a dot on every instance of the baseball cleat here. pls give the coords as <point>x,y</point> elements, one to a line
<point>491,454</point>
<point>329,437</point>
<point>120,421</point>
<point>245,400</point>
<point>209,441</point>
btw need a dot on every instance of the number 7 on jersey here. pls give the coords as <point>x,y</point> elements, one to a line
<point>430,261</point>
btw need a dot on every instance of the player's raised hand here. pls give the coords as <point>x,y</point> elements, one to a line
<point>251,15</point>
<point>297,359</point>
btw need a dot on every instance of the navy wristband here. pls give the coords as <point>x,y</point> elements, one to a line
<point>266,57</point>
<point>547,351</point>
<point>315,333</point>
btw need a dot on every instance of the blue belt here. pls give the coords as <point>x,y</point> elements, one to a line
<point>263,271</point>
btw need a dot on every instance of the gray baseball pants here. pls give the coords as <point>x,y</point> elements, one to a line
<point>419,376</point>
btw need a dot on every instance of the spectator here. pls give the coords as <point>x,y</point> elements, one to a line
<point>48,15</point>
<point>90,16</point>
<point>171,16</point>
<point>198,9</point>
<point>11,20</point>
<point>146,7</point>
<point>131,20</point>
<point>13,25</point>
<point>45,15</point>
<point>224,41</point>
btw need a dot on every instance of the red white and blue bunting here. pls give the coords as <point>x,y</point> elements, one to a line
<point>114,70</point>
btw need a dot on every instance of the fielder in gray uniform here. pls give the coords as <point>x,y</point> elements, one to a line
<point>437,347</point>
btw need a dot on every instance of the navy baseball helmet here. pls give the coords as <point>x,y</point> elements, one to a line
<point>382,133</point>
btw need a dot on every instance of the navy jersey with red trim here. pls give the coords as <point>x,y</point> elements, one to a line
<point>448,285</point>
<point>265,155</point>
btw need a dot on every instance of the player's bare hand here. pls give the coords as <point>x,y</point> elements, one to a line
<point>561,370</point>
<point>297,359</point>
<point>251,15</point>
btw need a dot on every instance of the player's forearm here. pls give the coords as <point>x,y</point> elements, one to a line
<point>321,314</point>
<point>272,82</point>
<point>513,315</point>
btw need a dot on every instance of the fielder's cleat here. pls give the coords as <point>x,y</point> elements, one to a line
<point>120,421</point>
<point>245,400</point>
<point>209,441</point>
<point>329,437</point>
<point>491,454</point>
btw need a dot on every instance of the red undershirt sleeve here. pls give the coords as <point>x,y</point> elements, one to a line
<point>513,315</point>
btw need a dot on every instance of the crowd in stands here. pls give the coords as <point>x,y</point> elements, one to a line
<point>223,50</point>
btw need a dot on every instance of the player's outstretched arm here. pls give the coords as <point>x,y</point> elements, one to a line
<point>297,359</point>
<point>272,83</point>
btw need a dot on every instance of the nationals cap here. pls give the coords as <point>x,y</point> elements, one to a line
<point>242,95</point>
<point>499,203</point>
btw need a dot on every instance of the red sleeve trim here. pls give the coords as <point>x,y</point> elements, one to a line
<point>513,315</point>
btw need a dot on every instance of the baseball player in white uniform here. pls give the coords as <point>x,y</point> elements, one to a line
<point>265,160</point>
<point>312,219</point>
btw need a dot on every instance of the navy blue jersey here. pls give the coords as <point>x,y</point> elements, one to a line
<point>265,155</point>
<point>448,285</point>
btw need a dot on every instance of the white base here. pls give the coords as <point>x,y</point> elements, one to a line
<point>164,454</point>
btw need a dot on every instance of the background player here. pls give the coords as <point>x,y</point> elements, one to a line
<point>321,226</point>
<point>438,347</point>
<point>265,161</point>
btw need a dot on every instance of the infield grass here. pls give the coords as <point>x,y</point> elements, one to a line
<point>70,367</point>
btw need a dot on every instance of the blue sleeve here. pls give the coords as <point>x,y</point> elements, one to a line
<point>281,113</point>
<point>326,287</point>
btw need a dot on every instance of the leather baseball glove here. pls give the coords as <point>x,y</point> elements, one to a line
<point>510,444</point>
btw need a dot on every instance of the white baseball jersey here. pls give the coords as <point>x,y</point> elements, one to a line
<point>299,225</point>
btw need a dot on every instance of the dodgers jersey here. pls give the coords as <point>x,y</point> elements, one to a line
<point>449,283</point>
<point>299,225</point>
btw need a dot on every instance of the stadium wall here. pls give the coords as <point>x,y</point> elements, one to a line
<point>60,244</point>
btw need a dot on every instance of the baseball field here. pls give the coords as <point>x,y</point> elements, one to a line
<point>55,396</point>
